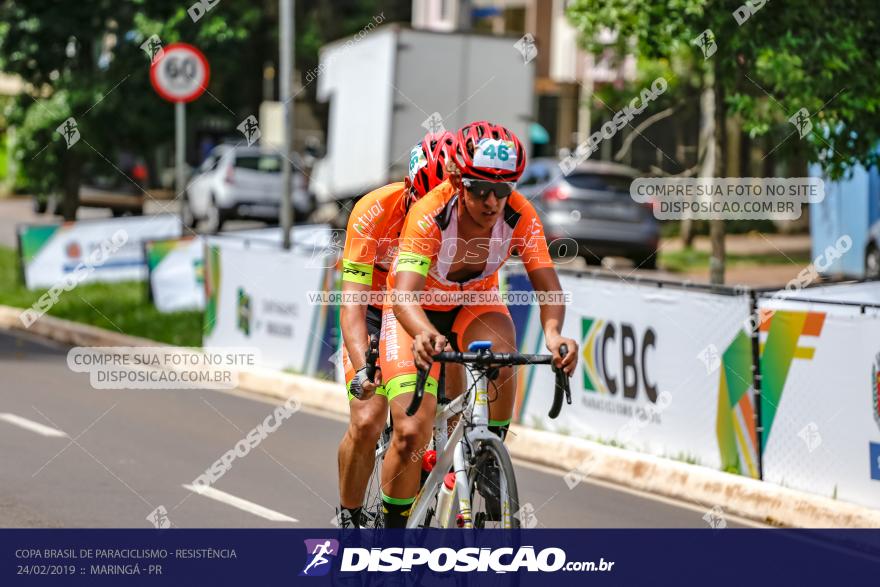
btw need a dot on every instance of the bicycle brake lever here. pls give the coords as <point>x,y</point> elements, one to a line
<point>372,355</point>
<point>563,378</point>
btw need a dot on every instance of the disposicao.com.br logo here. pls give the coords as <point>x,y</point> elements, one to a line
<point>319,553</point>
<point>470,559</point>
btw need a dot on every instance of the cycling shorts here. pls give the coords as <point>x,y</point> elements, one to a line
<point>374,326</point>
<point>395,345</point>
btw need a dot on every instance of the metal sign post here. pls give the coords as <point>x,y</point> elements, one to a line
<point>286,65</point>
<point>179,148</point>
<point>180,75</point>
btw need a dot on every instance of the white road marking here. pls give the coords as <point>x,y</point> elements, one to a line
<point>32,426</point>
<point>242,504</point>
<point>685,505</point>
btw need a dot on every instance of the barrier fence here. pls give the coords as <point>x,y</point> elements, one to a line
<point>820,396</point>
<point>89,250</point>
<point>727,378</point>
<point>780,386</point>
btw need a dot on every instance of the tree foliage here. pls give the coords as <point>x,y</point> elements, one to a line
<point>785,56</point>
<point>84,59</point>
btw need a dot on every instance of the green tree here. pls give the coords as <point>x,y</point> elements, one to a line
<point>770,60</point>
<point>84,60</point>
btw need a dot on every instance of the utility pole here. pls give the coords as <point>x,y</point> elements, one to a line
<point>286,8</point>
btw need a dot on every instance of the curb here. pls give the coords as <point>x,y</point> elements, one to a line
<point>582,459</point>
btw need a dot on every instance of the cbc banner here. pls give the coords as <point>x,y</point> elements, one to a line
<point>260,298</point>
<point>90,250</point>
<point>820,397</point>
<point>664,370</point>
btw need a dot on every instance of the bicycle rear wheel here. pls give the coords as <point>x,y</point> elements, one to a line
<point>494,495</point>
<point>372,509</point>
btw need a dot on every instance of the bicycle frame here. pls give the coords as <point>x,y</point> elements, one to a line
<point>474,417</point>
<point>472,429</point>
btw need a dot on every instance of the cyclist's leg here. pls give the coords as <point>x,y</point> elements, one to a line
<point>492,322</point>
<point>357,451</point>
<point>455,382</point>
<point>410,434</point>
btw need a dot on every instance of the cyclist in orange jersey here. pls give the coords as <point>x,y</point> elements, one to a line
<point>370,246</point>
<point>453,243</point>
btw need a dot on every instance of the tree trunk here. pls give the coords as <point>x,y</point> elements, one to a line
<point>706,145</point>
<point>71,176</point>
<point>708,162</point>
<point>716,227</point>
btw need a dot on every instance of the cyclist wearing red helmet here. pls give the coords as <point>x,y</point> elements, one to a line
<point>454,240</point>
<point>370,246</point>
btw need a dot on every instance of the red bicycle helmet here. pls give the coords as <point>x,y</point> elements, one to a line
<point>490,152</point>
<point>427,161</point>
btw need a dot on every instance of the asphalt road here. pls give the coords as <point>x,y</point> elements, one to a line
<point>125,453</point>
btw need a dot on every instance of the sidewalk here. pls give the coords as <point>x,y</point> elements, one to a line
<point>789,249</point>
<point>748,244</point>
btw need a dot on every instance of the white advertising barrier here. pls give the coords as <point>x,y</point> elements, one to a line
<point>50,253</point>
<point>664,370</point>
<point>866,292</point>
<point>258,298</point>
<point>820,397</point>
<point>176,265</point>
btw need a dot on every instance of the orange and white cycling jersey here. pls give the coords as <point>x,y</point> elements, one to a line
<point>372,236</point>
<point>429,241</point>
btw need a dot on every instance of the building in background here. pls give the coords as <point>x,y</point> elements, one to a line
<point>565,75</point>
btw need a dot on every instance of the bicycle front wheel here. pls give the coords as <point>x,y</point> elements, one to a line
<point>494,496</point>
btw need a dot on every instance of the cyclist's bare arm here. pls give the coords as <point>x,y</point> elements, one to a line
<point>427,340</point>
<point>552,316</point>
<point>358,259</point>
<point>353,320</point>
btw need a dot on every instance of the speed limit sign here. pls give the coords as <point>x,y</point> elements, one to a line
<point>181,74</point>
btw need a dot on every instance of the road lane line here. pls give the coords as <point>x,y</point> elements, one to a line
<point>242,504</point>
<point>32,426</point>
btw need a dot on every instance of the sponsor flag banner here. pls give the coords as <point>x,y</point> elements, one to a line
<point>51,253</point>
<point>177,273</point>
<point>820,372</point>
<point>664,370</point>
<point>176,266</point>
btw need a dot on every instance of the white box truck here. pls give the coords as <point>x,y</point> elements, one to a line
<point>384,86</point>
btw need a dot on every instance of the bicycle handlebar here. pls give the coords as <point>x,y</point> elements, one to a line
<point>488,359</point>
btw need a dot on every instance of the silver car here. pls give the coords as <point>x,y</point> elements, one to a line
<point>592,206</point>
<point>872,253</point>
<point>241,183</point>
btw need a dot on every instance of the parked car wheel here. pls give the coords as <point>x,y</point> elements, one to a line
<point>872,263</point>
<point>647,262</point>
<point>186,214</point>
<point>40,204</point>
<point>591,258</point>
<point>214,219</point>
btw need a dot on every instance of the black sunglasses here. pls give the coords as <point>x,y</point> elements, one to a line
<point>480,189</point>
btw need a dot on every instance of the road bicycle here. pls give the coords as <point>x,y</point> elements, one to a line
<point>472,482</point>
